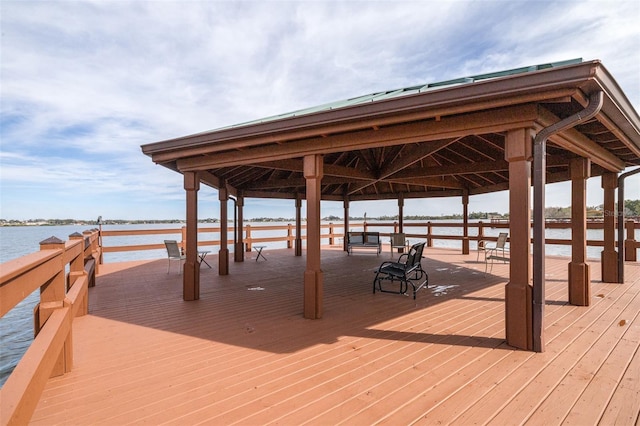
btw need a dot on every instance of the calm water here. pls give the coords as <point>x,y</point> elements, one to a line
<point>16,328</point>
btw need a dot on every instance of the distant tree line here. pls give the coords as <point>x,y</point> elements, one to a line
<point>631,209</point>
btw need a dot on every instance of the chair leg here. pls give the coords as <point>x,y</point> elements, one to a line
<point>374,282</point>
<point>486,263</point>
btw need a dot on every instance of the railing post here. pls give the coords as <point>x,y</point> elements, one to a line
<point>76,267</point>
<point>630,242</point>
<point>289,235</point>
<point>52,295</point>
<point>480,234</point>
<point>330,233</point>
<point>96,245</point>
<point>92,250</point>
<point>429,237</point>
<point>395,227</point>
<point>248,238</point>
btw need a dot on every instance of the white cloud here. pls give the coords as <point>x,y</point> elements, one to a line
<point>85,83</point>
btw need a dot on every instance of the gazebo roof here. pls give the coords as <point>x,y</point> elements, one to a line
<point>439,139</point>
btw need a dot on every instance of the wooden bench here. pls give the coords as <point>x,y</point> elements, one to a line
<point>364,240</point>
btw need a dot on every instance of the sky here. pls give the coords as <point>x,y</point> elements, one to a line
<point>84,83</point>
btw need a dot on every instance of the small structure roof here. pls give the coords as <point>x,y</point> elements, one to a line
<point>438,139</point>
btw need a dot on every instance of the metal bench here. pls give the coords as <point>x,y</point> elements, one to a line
<point>364,240</point>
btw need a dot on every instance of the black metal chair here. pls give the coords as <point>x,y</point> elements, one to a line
<point>406,271</point>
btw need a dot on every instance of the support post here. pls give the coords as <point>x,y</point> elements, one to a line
<point>609,256</point>
<point>465,222</point>
<point>313,276</point>
<point>191,276</point>
<point>400,227</point>
<point>519,292</point>
<point>626,248</point>
<point>630,242</point>
<point>401,212</point>
<point>540,167</point>
<point>298,247</point>
<point>346,224</point>
<point>238,249</point>
<point>223,253</point>
<point>579,274</point>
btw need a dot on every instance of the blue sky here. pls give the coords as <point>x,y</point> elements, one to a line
<point>85,83</point>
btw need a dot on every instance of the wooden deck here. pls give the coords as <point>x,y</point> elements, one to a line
<point>243,354</point>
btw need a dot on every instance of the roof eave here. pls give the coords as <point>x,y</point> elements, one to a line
<point>619,115</point>
<point>570,77</point>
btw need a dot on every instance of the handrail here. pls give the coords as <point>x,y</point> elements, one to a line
<point>423,230</point>
<point>63,296</point>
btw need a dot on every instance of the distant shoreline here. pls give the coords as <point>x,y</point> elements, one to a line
<point>632,210</point>
<point>79,222</point>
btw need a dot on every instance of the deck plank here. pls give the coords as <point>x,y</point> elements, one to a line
<point>243,353</point>
<point>598,349</point>
<point>624,406</point>
<point>468,384</point>
<point>562,335</point>
<point>617,371</point>
<point>521,407</point>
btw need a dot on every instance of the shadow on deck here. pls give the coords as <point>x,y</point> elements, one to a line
<point>244,353</point>
<point>259,304</point>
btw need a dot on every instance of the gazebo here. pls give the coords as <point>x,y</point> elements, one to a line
<point>513,130</point>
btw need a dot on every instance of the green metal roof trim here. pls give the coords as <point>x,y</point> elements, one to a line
<point>389,94</point>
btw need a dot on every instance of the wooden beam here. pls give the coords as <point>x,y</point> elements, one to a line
<point>498,120</point>
<point>437,182</point>
<point>456,169</point>
<point>215,182</point>
<point>295,165</point>
<point>415,154</point>
<point>291,183</point>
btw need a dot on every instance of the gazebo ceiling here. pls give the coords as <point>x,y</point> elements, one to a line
<point>444,139</point>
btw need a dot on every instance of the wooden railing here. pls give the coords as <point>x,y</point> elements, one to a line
<point>252,234</point>
<point>476,230</point>
<point>333,233</point>
<point>62,271</point>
